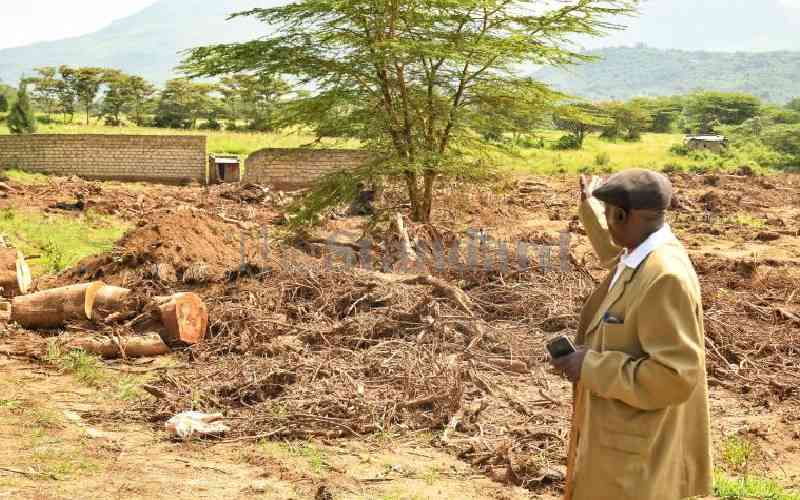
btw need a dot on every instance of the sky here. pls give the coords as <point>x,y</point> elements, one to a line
<point>28,21</point>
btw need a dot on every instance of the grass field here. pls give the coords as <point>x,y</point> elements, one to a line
<point>60,241</point>
<point>597,155</point>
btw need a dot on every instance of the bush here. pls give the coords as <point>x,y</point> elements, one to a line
<point>670,168</point>
<point>679,149</point>
<point>566,142</point>
<point>211,124</point>
<point>602,159</point>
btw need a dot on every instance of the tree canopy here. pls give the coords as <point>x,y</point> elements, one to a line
<point>707,110</point>
<point>408,78</point>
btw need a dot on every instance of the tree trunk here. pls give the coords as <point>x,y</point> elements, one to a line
<point>413,196</point>
<point>128,347</point>
<point>53,308</point>
<point>430,178</point>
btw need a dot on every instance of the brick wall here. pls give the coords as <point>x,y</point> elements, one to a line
<point>154,158</point>
<point>289,169</point>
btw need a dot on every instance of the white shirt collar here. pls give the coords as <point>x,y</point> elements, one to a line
<point>634,259</point>
<point>655,240</point>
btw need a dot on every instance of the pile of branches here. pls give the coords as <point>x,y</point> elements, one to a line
<point>326,351</point>
<point>752,313</point>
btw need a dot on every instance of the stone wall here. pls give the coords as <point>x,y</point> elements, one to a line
<point>153,158</point>
<point>289,169</point>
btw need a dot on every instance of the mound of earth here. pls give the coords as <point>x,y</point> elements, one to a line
<point>185,245</point>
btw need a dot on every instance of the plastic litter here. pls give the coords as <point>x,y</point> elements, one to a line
<point>189,423</point>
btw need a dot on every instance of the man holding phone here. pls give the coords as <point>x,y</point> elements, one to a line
<point>640,424</point>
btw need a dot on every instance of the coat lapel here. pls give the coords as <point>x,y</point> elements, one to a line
<point>612,297</point>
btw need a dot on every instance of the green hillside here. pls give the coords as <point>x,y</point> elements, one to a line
<point>626,72</point>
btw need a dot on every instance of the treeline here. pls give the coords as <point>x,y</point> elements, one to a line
<point>769,132</point>
<point>239,101</point>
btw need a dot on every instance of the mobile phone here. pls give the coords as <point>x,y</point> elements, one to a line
<point>560,347</point>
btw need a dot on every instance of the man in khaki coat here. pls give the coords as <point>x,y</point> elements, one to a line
<point>640,428</point>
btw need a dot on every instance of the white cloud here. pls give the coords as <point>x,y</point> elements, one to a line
<point>39,20</point>
<point>792,4</point>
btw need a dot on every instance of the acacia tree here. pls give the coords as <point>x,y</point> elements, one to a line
<point>404,76</point>
<point>46,88</point>
<point>84,84</point>
<point>580,120</point>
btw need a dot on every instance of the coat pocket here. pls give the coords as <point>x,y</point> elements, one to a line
<point>626,443</point>
<point>616,338</point>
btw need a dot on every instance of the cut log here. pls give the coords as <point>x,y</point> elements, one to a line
<point>131,347</point>
<point>185,319</point>
<point>109,300</point>
<point>53,308</point>
<point>8,283</point>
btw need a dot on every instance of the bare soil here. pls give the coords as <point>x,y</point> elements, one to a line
<point>357,384</point>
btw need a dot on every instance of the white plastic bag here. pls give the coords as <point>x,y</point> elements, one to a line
<point>185,425</point>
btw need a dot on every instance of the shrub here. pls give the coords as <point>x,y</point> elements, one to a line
<point>602,159</point>
<point>679,149</point>
<point>566,142</point>
<point>670,168</point>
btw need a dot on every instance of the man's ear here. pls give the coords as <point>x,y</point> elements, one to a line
<point>619,215</point>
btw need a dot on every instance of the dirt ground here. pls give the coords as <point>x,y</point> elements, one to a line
<point>393,342</point>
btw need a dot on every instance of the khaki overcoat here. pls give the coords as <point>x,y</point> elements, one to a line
<point>640,420</point>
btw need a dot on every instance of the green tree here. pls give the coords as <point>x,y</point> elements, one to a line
<point>580,120</point>
<point>3,103</point>
<point>84,84</point>
<point>404,77</point>
<point>706,110</point>
<point>22,119</point>
<point>664,111</point>
<point>794,104</point>
<point>46,89</point>
<point>126,94</point>
<point>784,139</point>
<point>626,120</point>
<point>183,103</point>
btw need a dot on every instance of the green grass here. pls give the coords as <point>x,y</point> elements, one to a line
<point>738,456</point>
<point>59,240</point>
<point>748,487</point>
<point>22,177</point>
<point>598,155</point>
<point>85,367</point>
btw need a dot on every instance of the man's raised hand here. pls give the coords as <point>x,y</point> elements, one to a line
<point>588,184</point>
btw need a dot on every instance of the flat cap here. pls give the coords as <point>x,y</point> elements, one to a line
<point>636,189</point>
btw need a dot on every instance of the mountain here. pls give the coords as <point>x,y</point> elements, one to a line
<point>146,43</point>
<point>710,25</point>
<point>625,72</point>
